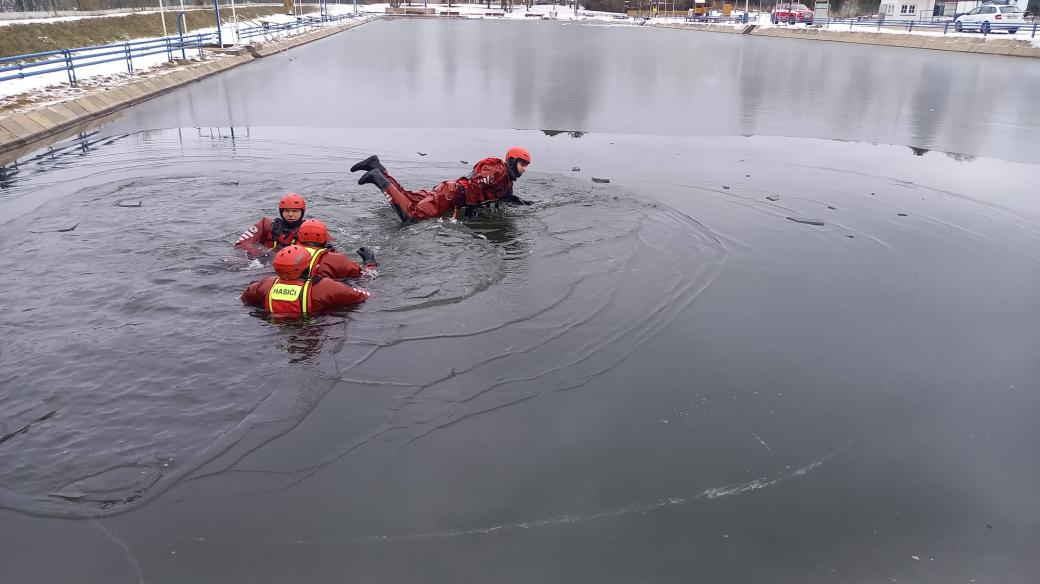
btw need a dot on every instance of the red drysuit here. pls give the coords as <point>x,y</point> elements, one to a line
<point>296,298</point>
<point>259,239</point>
<point>488,182</point>
<point>332,264</point>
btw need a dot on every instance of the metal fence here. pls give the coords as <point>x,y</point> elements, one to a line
<point>734,18</point>
<point>69,60</point>
<point>267,31</point>
<point>946,26</point>
<point>51,6</point>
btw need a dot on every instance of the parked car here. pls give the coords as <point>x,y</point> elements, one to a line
<point>792,13</point>
<point>991,17</point>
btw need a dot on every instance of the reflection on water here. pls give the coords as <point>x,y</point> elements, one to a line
<point>7,175</point>
<point>307,338</point>
<point>59,154</point>
<point>622,80</point>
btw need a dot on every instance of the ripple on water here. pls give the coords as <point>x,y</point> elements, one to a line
<point>151,366</point>
<point>588,277</point>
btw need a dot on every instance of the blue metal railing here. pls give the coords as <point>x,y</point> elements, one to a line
<point>69,60</point>
<point>947,25</point>
<point>302,22</point>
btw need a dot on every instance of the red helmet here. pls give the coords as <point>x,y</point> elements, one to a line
<point>520,153</point>
<point>314,232</point>
<point>291,262</point>
<point>292,201</point>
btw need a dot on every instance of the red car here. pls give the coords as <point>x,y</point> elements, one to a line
<point>792,14</point>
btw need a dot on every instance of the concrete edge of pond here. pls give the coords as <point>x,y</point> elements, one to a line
<point>981,45</point>
<point>23,132</point>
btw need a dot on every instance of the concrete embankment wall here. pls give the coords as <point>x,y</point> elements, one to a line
<point>22,132</point>
<point>978,44</point>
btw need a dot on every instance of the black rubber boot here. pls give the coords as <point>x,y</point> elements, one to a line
<point>376,177</point>
<point>370,163</point>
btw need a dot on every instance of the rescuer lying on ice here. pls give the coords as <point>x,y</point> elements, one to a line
<point>491,180</point>
<point>268,235</point>
<point>293,293</point>
<point>326,262</point>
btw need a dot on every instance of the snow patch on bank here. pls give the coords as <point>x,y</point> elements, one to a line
<point>50,88</point>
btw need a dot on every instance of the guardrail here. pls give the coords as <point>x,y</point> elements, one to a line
<point>270,29</point>
<point>734,18</point>
<point>946,26</point>
<point>69,60</point>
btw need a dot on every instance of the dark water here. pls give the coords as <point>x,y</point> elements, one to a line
<point>623,79</point>
<point>676,376</point>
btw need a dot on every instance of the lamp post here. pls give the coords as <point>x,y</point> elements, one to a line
<point>162,17</point>
<point>216,13</point>
<point>234,18</point>
<point>182,27</point>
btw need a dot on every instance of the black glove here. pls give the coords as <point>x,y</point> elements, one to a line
<point>368,256</point>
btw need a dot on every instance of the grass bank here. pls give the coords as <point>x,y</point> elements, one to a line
<point>20,39</point>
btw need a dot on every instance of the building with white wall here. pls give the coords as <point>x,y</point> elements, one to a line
<point>907,9</point>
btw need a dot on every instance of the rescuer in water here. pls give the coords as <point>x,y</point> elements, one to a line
<point>293,293</point>
<point>325,260</point>
<point>269,235</point>
<point>491,180</point>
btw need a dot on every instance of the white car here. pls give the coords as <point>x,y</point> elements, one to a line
<point>989,18</point>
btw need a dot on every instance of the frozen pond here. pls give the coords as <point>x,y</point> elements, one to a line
<point>793,339</point>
